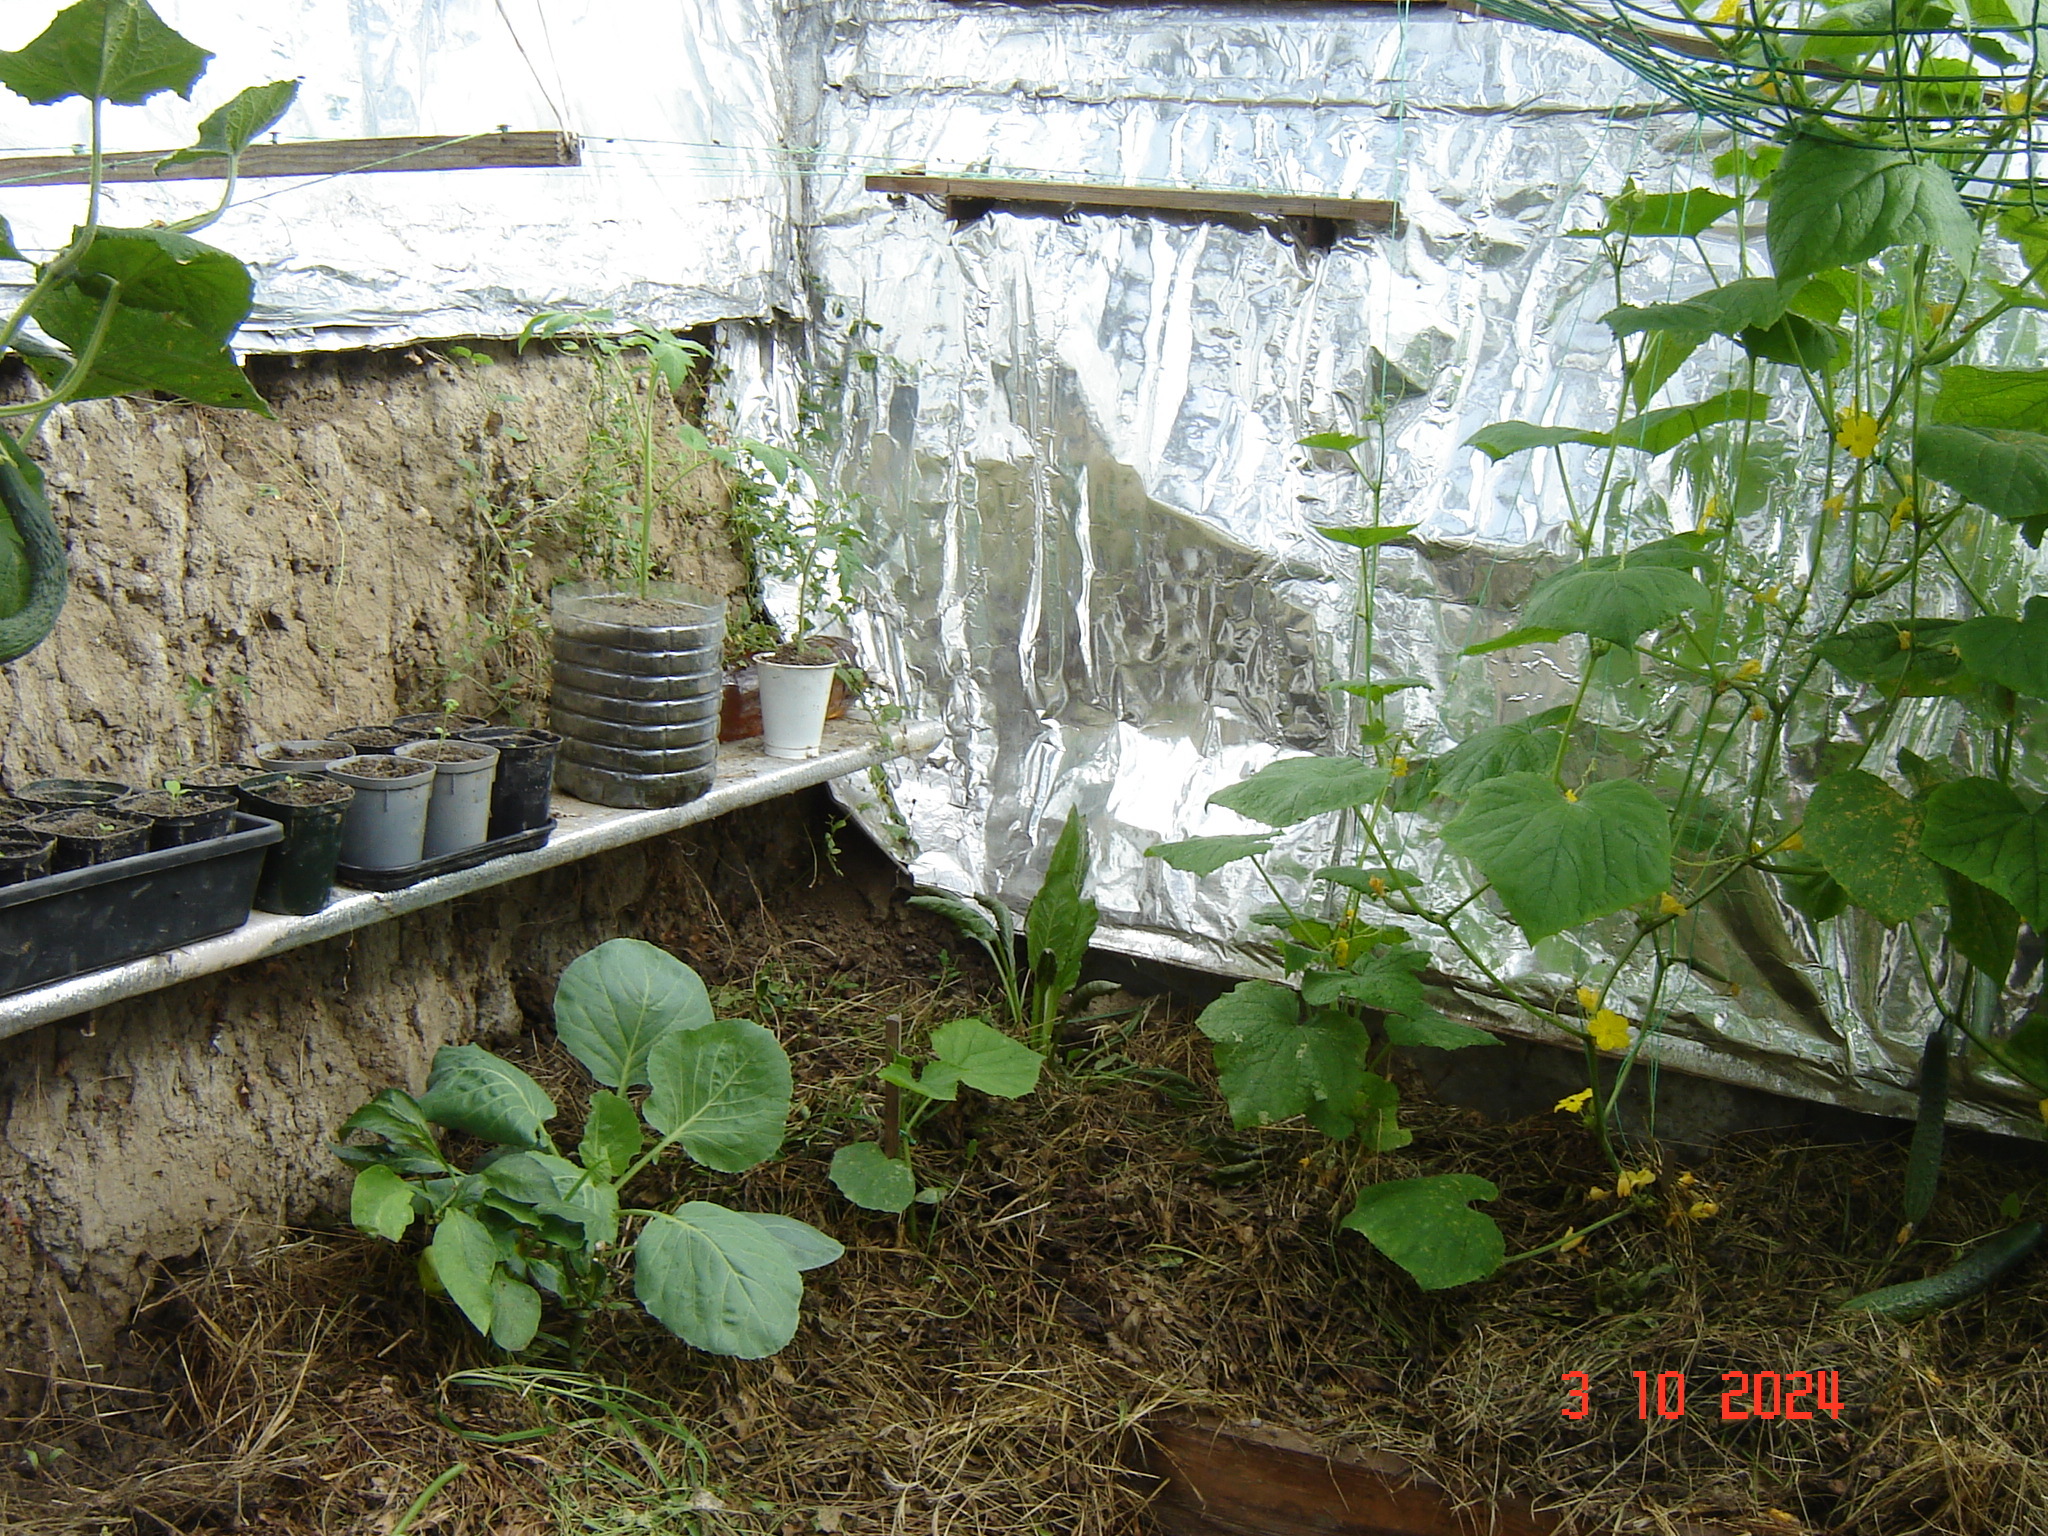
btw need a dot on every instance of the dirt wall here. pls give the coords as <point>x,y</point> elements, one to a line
<point>238,580</point>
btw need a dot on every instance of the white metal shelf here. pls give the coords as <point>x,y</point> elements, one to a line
<point>746,776</point>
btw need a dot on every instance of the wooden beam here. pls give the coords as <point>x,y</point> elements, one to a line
<point>967,197</point>
<point>328,157</point>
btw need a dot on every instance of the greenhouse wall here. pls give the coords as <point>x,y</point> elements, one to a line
<point>1080,428</point>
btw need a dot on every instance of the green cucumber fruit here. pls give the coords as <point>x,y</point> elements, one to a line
<point>21,497</point>
<point>1923,1164</point>
<point>1958,1283</point>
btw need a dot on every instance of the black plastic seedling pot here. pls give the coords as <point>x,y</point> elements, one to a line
<point>91,834</point>
<point>87,919</point>
<point>178,820</point>
<point>67,794</point>
<point>526,777</point>
<point>24,855</point>
<point>298,873</point>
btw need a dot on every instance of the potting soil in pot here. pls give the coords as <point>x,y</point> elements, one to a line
<point>216,776</point>
<point>372,766</point>
<point>191,816</point>
<point>444,752</point>
<point>303,791</point>
<point>61,794</point>
<point>88,835</point>
<point>328,751</point>
<point>437,724</point>
<point>371,738</point>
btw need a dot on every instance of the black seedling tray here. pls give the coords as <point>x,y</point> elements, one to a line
<point>402,875</point>
<point>87,919</point>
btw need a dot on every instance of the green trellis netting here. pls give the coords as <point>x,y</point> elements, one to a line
<point>1963,90</point>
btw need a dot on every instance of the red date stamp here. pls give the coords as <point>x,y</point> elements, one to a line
<point>1787,1395</point>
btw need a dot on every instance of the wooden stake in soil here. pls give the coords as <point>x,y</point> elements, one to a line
<point>892,1096</point>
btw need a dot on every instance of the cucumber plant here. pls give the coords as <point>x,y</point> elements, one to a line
<point>527,1221</point>
<point>1058,926</point>
<point>1616,846</point>
<point>115,311</point>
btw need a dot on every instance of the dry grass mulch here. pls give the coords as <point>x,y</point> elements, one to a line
<point>1110,1251</point>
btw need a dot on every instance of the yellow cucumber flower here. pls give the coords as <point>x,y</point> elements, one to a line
<point>1858,435</point>
<point>1609,1030</point>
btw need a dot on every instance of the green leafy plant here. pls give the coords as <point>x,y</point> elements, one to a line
<point>525,1222</point>
<point>663,450</point>
<point>1604,832</point>
<point>799,531</point>
<point>880,1175</point>
<point>115,311</point>
<point>790,523</point>
<point>1320,1049</point>
<point>1058,926</point>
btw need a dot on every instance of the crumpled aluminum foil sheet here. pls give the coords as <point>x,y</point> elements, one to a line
<point>1094,557</point>
<point>681,212</point>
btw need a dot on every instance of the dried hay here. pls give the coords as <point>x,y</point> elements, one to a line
<point>1111,1251</point>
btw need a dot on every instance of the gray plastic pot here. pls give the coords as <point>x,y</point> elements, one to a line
<point>459,810</point>
<point>385,826</point>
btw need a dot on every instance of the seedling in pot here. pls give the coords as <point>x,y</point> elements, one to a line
<point>878,1175</point>
<point>526,1223</point>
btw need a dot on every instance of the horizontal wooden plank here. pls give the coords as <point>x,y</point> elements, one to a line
<point>985,189</point>
<point>329,157</point>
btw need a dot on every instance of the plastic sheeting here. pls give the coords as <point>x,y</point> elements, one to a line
<point>1094,552</point>
<point>680,213</point>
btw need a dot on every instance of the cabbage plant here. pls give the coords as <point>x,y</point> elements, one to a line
<point>529,1221</point>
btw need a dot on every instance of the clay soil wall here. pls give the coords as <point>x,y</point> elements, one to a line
<point>235,580</point>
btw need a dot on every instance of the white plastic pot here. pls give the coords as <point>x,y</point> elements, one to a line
<point>459,811</point>
<point>793,704</point>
